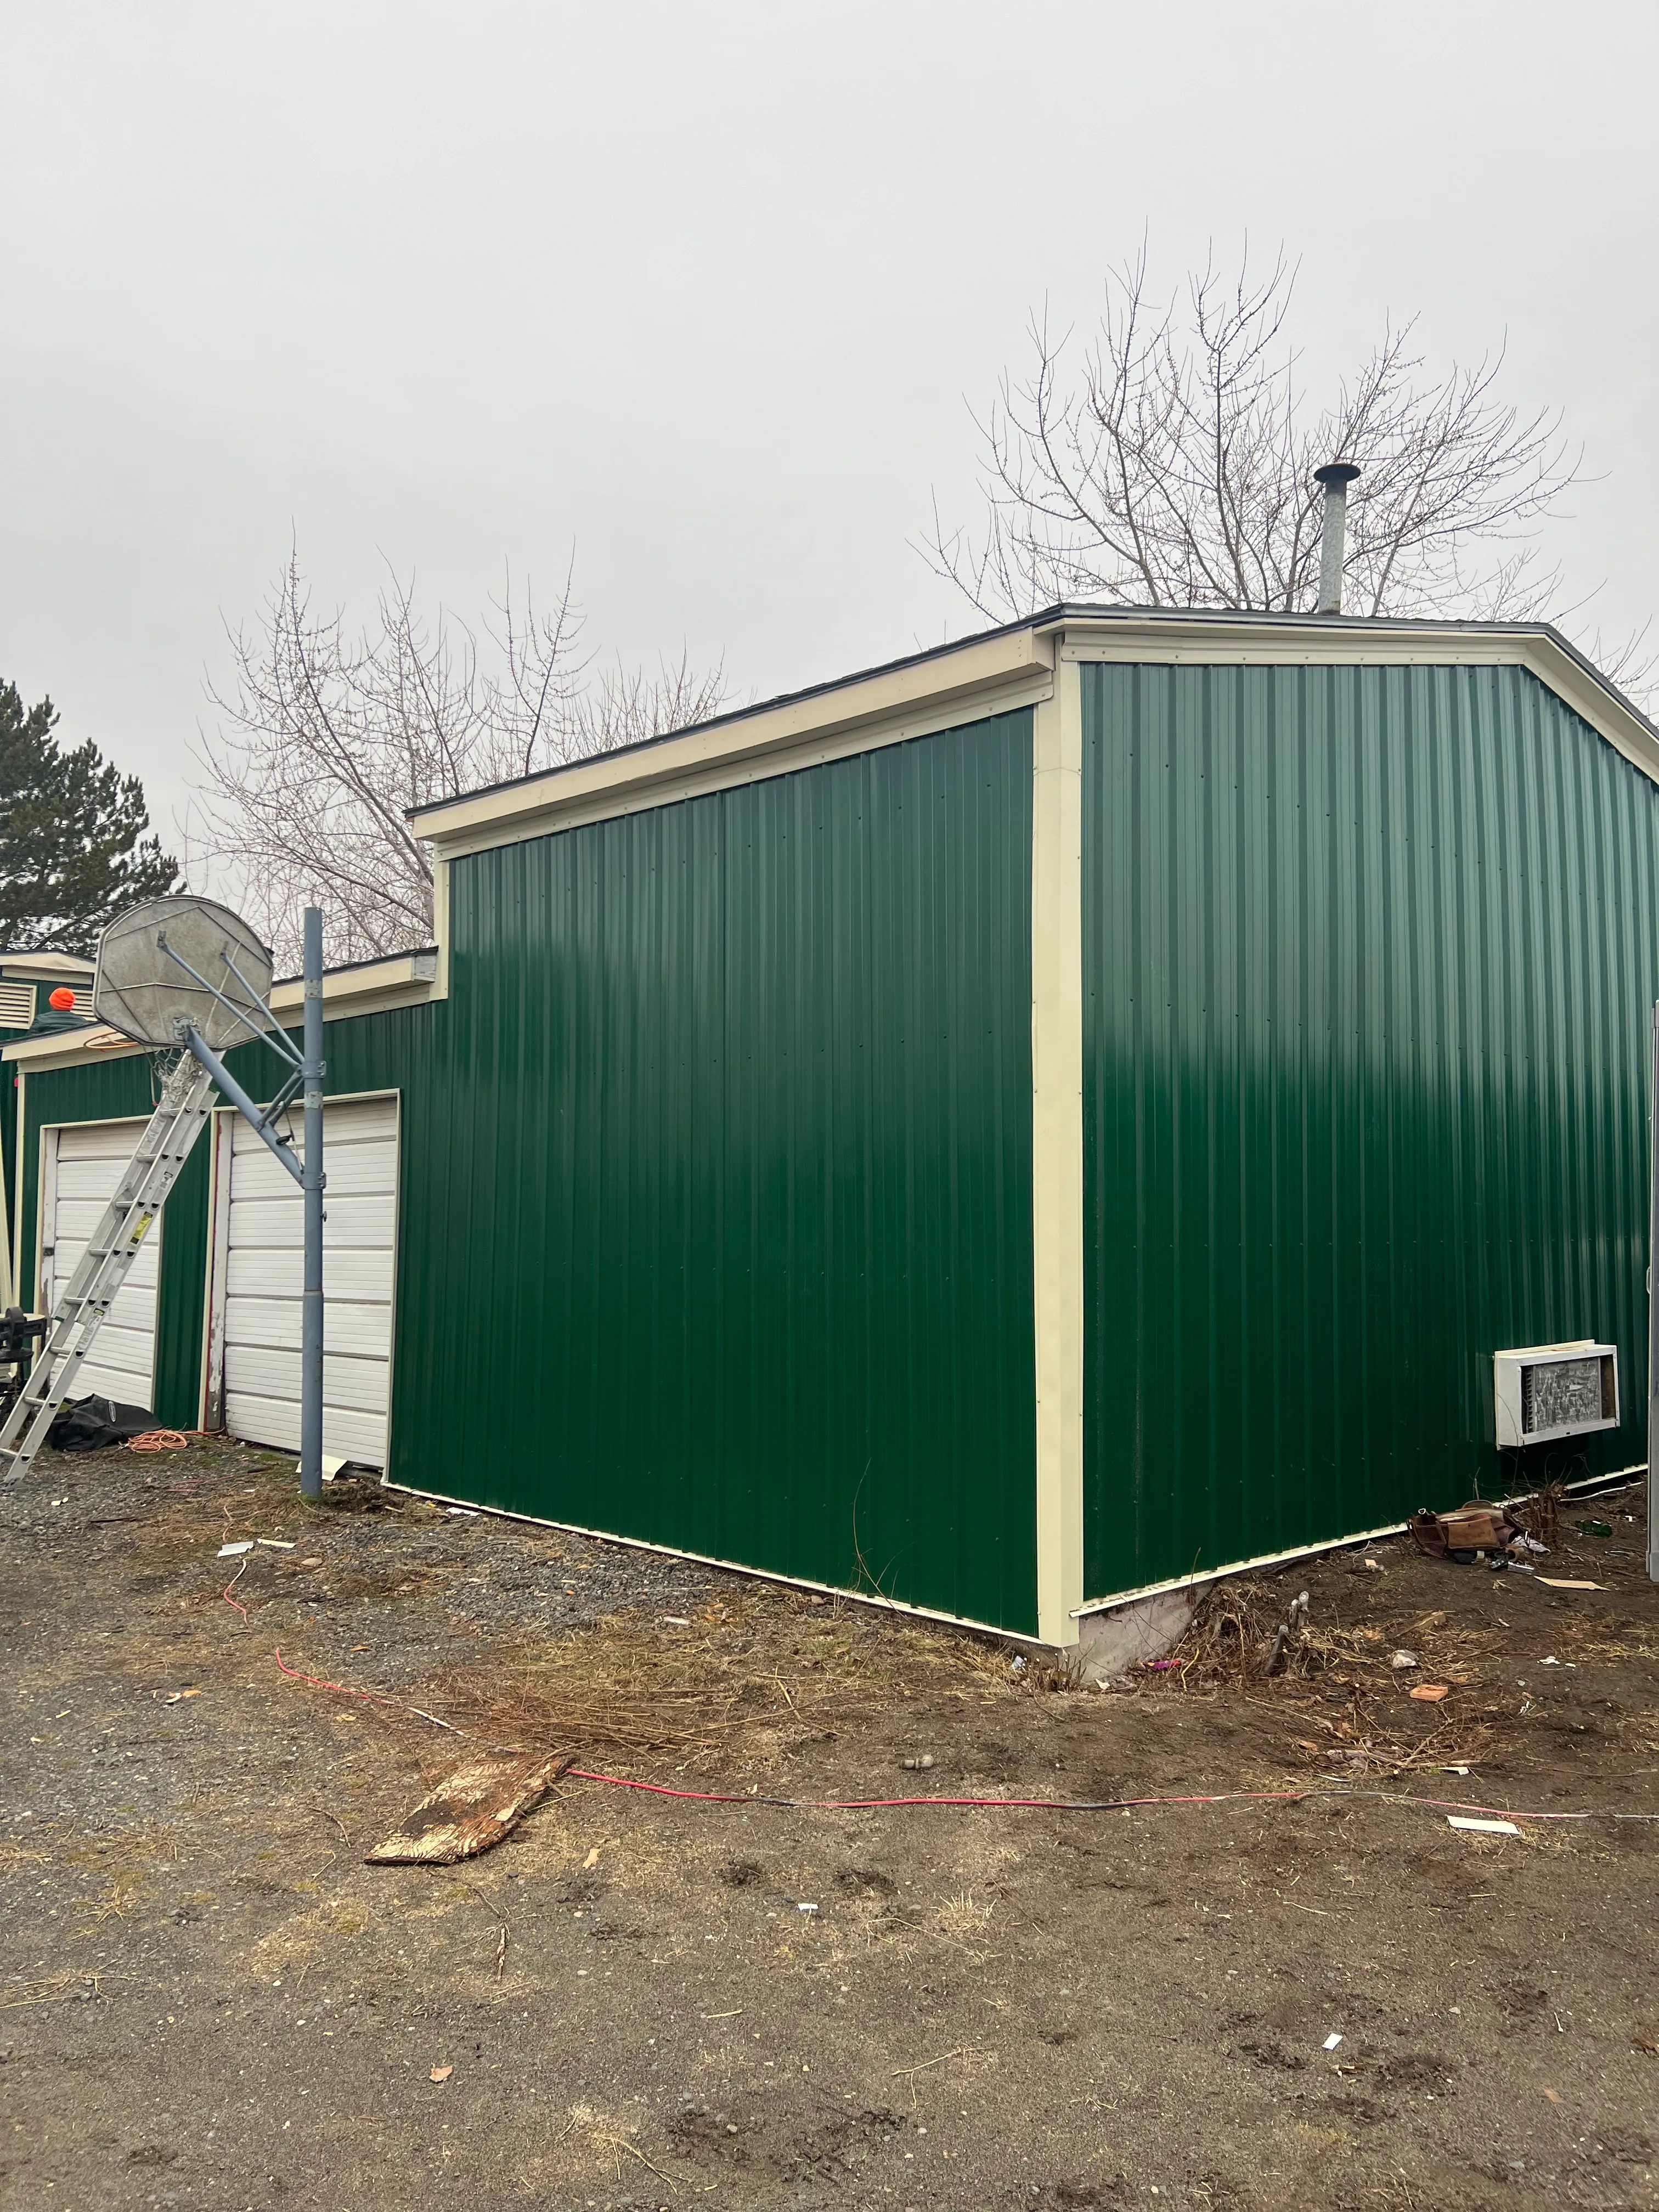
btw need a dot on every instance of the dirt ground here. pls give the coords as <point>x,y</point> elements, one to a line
<point>207,2000</point>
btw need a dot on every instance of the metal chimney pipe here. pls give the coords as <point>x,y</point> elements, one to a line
<point>1336,476</point>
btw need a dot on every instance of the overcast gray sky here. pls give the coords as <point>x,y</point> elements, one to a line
<point>701,290</point>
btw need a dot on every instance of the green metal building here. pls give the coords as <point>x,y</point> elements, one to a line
<point>1014,1130</point>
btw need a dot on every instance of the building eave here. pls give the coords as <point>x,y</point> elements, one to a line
<point>963,676</point>
<point>45,968</point>
<point>989,673</point>
<point>371,987</point>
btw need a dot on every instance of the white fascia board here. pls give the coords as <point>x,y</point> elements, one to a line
<point>45,968</point>
<point>1203,1577</point>
<point>993,675</point>
<point>68,1047</point>
<point>874,1599</point>
<point>959,684</point>
<point>405,979</point>
<point>1357,643</point>
<point>1057,1277</point>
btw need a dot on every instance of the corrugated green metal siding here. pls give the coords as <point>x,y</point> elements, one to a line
<point>1369,961</point>
<point>111,1090</point>
<point>716,1184</point>
<point>8,1144</point>
<point>751,1075</point>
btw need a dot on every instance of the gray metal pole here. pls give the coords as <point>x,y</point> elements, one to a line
<point>205,1056</point>
<point>311,1315</point>
<point>1653,1312</point>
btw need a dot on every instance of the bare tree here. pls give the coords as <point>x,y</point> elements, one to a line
<point>1172,465</point>
<point>327,738</point>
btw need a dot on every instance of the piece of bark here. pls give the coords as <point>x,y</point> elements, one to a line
<point>470,1811</point>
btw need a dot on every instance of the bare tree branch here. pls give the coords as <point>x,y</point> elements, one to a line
<point>325,739</point>
<point>1172,465</point>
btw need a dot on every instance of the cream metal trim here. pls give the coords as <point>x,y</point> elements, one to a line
<point>402,979</point>
<point>733,774</point>
<point>959,684</point>
<point>441,922</point>
<point>993,675</point>
<point>1096,1605</point>
<point>68,1047</point>
<point>1057,1150</point>
<point>726,1566</point>
<point>46,1217</point>
<point>405,979</point>
<point>1359,644</point>
<point>210,1413</point>
<point>45,967</point>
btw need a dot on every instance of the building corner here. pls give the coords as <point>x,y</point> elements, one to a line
<point>1057,1148</point>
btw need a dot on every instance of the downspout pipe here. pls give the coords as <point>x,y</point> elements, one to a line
<point>1335,476</point>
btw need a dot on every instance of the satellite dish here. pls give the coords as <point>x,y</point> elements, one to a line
<point>142,990</point>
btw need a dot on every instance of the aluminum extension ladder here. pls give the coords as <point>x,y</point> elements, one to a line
<point>79,1314</point>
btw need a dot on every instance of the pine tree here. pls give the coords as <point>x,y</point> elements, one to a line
<point>73,851</point>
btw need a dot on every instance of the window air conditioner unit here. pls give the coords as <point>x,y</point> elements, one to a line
<point>1551,1390</point>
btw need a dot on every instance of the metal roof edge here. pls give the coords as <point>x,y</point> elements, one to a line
<point>65,1047</point>
<point>735,715</point>
<point>1223,635</point>
<point>1594,698</point>
<point>532,806</point>
<point>923,682</point>
<point>42,967</point>
<point>360,987</point>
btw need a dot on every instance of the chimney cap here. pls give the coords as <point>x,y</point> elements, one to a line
<point>1336,473</point>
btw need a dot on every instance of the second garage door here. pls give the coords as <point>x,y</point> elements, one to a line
<point>258,1269</point>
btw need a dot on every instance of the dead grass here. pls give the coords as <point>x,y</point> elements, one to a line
<point>51,1988</point>
<point>749,1679</point>
<point>14,1858</point>
<point>963,1918</point>
<point>606,2138</point>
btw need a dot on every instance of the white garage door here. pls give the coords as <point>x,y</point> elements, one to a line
<point>259,1267</point>
<point>80,1168</point>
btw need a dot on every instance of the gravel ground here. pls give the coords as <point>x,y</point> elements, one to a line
<point>207,2000</point>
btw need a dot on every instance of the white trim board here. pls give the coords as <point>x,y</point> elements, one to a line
<point>404,979</point>
<point>1618,1477</point>
<point>984,675</point>
<point>1057,1308</point>
<point>934,683</point>
<point>1315,645</point>
<point>670,785</point>
<point>726,1566</point>
<point>46,967</point>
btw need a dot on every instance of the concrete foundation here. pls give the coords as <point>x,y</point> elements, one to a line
<point>1115,1642</point>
